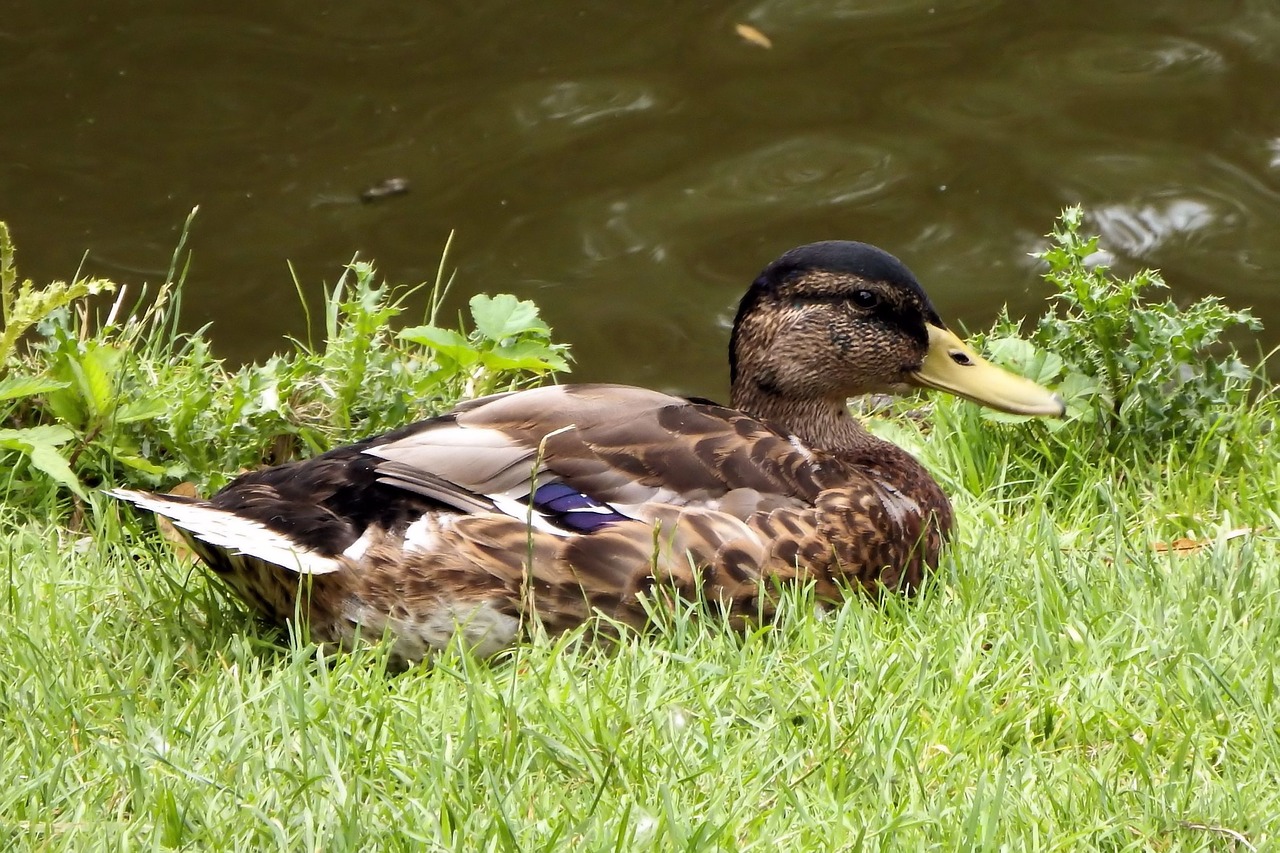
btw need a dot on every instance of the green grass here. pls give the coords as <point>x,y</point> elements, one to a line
<point>1062,684</point>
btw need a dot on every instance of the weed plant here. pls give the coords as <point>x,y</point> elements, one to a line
<point>127,398</point>
<point>1094,666</point>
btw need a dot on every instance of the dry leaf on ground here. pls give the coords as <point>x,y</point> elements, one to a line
<point>1183,545</point>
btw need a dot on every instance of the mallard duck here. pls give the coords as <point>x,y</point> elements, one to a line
<point>562,501</point>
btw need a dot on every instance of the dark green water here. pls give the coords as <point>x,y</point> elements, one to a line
<point>632,166</point>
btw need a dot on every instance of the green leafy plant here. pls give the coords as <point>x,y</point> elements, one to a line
<point>24,306</point>
<point>1142,374</point>
<point>130,399</point>
<point>508,336</point>
<point>100,391</point>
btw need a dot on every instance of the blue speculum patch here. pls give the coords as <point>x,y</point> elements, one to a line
<point>572,509</point>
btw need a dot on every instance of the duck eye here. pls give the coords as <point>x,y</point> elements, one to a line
<point>865,299</point>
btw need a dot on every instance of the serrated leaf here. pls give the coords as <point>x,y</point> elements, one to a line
<point>8,275</point>
<point>445,342</point>
<point>13,387</point>
<point>503,316</point>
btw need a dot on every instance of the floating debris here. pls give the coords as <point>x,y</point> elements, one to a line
<point>385,189</point>
<point>751,34</point>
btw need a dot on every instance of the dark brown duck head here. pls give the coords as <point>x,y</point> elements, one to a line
<point>838,319</point>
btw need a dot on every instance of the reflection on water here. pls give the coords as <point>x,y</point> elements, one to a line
<point>1139,231</point>
<point>632,166</point>
<point>891,18</point>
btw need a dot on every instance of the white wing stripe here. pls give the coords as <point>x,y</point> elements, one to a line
<point>234,534</point>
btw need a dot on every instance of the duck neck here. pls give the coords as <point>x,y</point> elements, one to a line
<point>822,424</point>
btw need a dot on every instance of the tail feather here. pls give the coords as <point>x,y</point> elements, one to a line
<point>232,533</point>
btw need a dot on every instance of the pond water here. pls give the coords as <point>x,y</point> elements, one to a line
<point>632,166</point>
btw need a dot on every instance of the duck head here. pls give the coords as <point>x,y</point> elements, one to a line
<point>833,320</point>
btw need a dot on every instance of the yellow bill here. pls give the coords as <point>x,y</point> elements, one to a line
<point>951,365</point>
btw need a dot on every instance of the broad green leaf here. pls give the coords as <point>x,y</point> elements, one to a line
<point>995,417</point>
<point>503,316</point>
<point>140,410</point>
<point>1025,358</point>
<point>21,439</point>
<point>40,444</point>
<point>524,355</point>
<point>50,461</point>
<point>1076,387</point>
<point>96,371</point>
<point>139,464</point>
<point>67,405</point>
<point>13,387</point>
<point>445,342</point>
<point>1009,349</point>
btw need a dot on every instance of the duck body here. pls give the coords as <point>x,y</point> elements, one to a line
<point>554,503</point>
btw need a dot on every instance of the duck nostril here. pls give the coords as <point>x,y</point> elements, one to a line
<point>961,359</point>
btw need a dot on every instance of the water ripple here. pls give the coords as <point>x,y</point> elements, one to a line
<point>1118,65</point>
<point>755,187</point>
<point>580,102</point>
